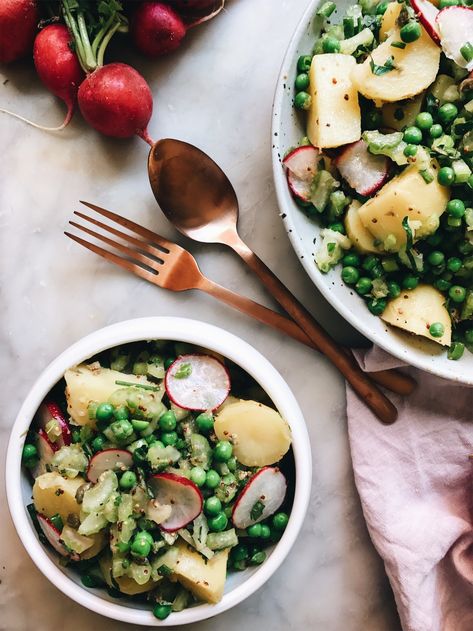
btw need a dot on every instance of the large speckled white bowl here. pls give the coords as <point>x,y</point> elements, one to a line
<point>287,129</point>
<point>239,585</point>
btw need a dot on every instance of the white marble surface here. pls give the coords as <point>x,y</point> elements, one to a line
<point>215,92</point>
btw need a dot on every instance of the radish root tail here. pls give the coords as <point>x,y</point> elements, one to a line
<point>143,134</point>
<point>67,120</point>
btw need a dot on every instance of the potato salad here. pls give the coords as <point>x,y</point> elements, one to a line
<point>385,166</point>
<point>157,468</point>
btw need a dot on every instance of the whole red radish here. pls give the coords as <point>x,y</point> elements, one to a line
<point>156,29</point>
<point>18,24</point>
<point>57,65</point>
<point>116,101</point>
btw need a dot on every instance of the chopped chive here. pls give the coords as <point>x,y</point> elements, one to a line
<point>467,51</point>
<point>143,386</point>
<point>427,175</point>
<point>348,26</point>
<point>380,70</point>
<point>327,9</point>
<point>398,45</point>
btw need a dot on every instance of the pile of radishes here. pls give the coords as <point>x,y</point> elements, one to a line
<point>68,39</point>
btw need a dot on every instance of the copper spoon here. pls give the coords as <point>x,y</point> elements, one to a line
<point>198,198</point>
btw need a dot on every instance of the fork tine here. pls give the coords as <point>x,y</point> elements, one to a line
<point>137,256</point>
<point>118,260</point>
<point>151,249</point>
<point>134,227</point>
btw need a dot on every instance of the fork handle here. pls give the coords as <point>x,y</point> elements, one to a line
<point>380,405</point>
<point>391,379</point>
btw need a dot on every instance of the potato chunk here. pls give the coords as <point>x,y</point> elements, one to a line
<point>84,386</point>
<point>407,195</point>
<point>361,238</point>
<point>416,310</point>
<point>125,584</point>
<point>54,494</point>
<point>389,19</point>
<point>403,114</point>
<point>415,68</point>
<point>260,435</point>
<point>334,116</point>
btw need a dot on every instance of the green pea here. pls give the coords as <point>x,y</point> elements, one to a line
<point>377,306</point>
<point>99,443</point>
<point>302,81</point>
<point>169,438</point>
<point>469,336</point>
<point>212,479</point>
<point>138,425</point>
<point>410,32</point>
<point>144,534</point>
<point>205,422</point>
<point>456,208</point>
<point>454,223</point>
<point>88,580</point>
<point>76,436</point>
<point>223,450</point>
<point>377,271</point>
<point>412,135</point>
<point>128,480</point>
<point>280,521</point>
<point>370,262</point>
<point>150,439</point>
<point>330,45</point>
<point>424,120</point>
<point>161,612</point>
<point>442,285</point>
<point>302,101</point>
<point>198,476</point>
<point>337,226</point>
<point>436,258</point>
<point>212,506</point>
<point>410,151</point>
<point>218,523</point>
<point>457,293</point>
<point>364,286</point>
<point>141,547</point>
<point>447,113</point>
<point>454,264</point>
<point>168,362</point>
<point>394,289</point>
<point>436,130</point>
<point>351,260</point>
<point>456,350</point>
<point>240,552</point>
<point>304,63</point>
<point>104,412</point>
<point>167,421</point>
<point>121,413</point>
<point>29,452</point>
<point>232,463</point>
<point>121,430</point>
<point>436,329</point>
<point>254,531</point>
<point>258,558</point>
<point>265,532</point>
<point>446,176</point>
<point>410,282</point>
<point>350,275</point>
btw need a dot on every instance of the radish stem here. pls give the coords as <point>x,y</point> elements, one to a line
<point>104,44</point>
<point>84,36</point>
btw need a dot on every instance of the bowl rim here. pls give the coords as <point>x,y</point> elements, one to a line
<point>394,347</point>
<point>179,329</point>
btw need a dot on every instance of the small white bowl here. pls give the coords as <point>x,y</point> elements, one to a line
<point>239,585</point>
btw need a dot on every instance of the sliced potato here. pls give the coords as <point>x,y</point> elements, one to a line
<point>100,541</point>
<point>361,238</point>
<point>399,115</point>
<point>407,195</point>
<point>416,310</point>
<point>84,386</point>
<point>260,436</point>
<point>389,19</point>
<point>334,116</point>
<point>415,68</point>
<point>54,494</point>
<point>125,584</point>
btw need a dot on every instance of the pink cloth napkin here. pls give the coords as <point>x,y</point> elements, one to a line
<point>415,484</point>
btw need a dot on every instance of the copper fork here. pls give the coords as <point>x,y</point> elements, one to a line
<point>170,266</point>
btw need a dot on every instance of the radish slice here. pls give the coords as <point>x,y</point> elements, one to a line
<point>301,167</point>
<point>261,497</point>
<point>114,459</point>
<point>181,494</point>
<point>455,25</point>
<point>427,13</point>
<point>197,382</point>
<point>46,451</point>
<point>53,536</point>
<point>50,411</point>
<point>364,172</point>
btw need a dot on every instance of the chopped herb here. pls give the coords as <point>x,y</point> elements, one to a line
<point>409,245</point>
<point>257,510</point>
<point>331,247</point>
<point>118,500</point>
<point>427,175</point>
<point>380,70</point>
<point>327,9</point>
<point>164,570</point>
<point>401,45</point>
<point>183,371</point>
<point>143,386</point>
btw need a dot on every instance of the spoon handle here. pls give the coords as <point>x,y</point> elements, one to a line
<point>393,380</point>
<point>363,385</point>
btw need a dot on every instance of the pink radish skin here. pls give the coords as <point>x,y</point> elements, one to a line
<point>455,25</point>
<point>57,65</point>
<point>18,25</point>
<point>156,29</point>
<point>46,450</point>
<point>268,486</point>
<point>49,411</point>
<point>116,101</point>
<point>363,171</point>
<point>115,459</point>
<point>181,494</point>
<point>427,12</point>
<point>53,536</point>
<point>301,167</point>
<point>205,388</point>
